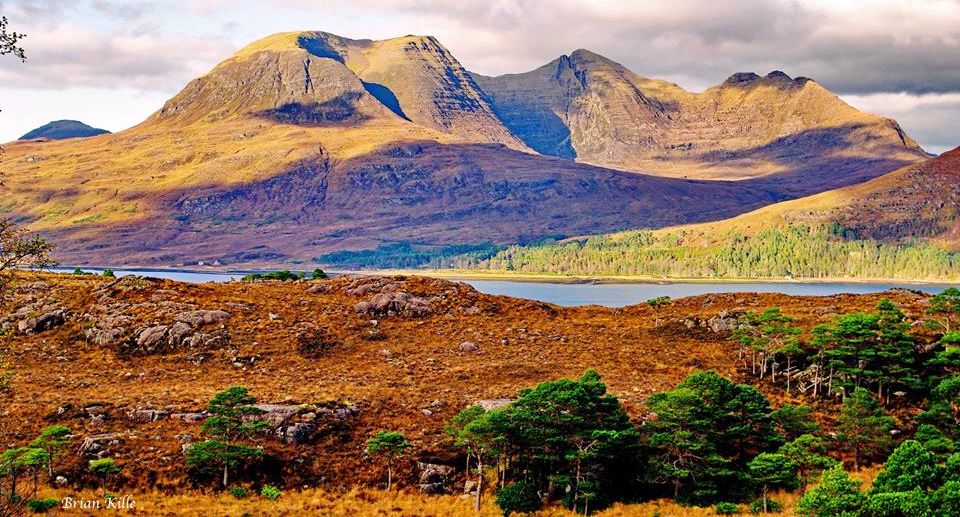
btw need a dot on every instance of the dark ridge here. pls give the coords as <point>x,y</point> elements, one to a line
<point>63,129</point>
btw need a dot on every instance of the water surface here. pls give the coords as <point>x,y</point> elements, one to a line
<point>607,294</point>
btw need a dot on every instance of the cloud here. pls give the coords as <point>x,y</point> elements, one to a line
<point>932,119</point>
<point>853,46</point>
<point>111,44</point>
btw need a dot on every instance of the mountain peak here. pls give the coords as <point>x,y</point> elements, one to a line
<point>774,78</point>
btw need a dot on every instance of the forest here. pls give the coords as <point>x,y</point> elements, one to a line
<point>793,251</point>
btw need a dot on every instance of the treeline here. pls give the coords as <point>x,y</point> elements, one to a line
<point>796,251</point>
<point>403,255</point>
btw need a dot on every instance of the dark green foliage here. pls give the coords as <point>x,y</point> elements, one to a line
<point>836,496</point>
<point>765,506</point>
<point>9,41</point>
<point>211,457</point>
<point>808,453</point>
<point>566,434</point>
<point>388,445</point>
<point>53,439</point>
<point>282,275</point>
<point>270,492</point>
<point>706,431</point>
<point>108,273</point>
<point>519,497</point>
<point>726,508</point>
<point>945,310</point>
<point>772,470</point>
<point>793,251</point>
<point>318,274</point>
<point>402,255</point>
<point>909,466</point>
<point>863,428</point>
<point>43,505</point>
<point>81,272</point>
<point>934,441</point>
<point>794,421</point>
<point>232,418</point>
<point>238,491</point>
<point>231,412</point>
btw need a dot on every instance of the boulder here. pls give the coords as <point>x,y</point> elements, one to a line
<point>298,433</point>
<point>469,346</point>
<point>152,339</point>
<point>434,478</point>
<point>491,404</point>
<point>44,322</point>
<point>276,414</point>
<point>97,444</point>
<point>145,416</point>
<point>397,303</point>
<point>202,317</point>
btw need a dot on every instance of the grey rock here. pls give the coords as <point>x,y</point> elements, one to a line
<point>202,317</point>
<point>44,322</point>
<point>469,346</point>
<point>491,404</point>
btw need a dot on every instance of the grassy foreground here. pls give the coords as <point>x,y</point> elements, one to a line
<point>363,502</point>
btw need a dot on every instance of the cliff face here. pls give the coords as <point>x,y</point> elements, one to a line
<point>586,107</point>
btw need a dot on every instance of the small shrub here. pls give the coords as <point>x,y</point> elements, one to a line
<point>727,509</point>
<point>319,274</point>
<point>81,272</point>
<point>108,273</point>
<point>756,507</point>
<point>43,505</point>
<point>282,275</point>
<point>521,497</point>
<point>270,492</point>
<point>104,466</point>
<point>238,491</point>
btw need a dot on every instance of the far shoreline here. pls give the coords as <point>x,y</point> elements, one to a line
<point>544,278</point>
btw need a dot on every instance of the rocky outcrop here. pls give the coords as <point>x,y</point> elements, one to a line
<point>395,304</point>
<point>42,322</point>
<point>435,479</point>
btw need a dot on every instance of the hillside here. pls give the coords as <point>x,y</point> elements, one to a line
<point>901,225</point>
<point>63,129</point>
<point>306,143</point>
<point>129,364</point>
<point>589,108</point>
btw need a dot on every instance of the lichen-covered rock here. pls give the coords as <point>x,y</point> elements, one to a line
<point>435,479</point>
<point>202,317</point>
<point>397,303</point>
<point>43,322</point>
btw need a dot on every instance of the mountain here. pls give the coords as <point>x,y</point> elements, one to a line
<point>304,143</point>
<point>589,108</point>
<point>63,129</point>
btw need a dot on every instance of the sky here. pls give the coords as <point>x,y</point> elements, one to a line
<point>111,63</point>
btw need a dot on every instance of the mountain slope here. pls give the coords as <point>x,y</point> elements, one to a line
<point>587,107</point>
<point>919,202</point>
<point>63,129</point>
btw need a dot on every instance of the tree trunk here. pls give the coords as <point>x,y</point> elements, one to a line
<point>788,374</point>
<point>225,479</point>
<point>389,475</point>
<point>476,503</point>
<point>764,498</point>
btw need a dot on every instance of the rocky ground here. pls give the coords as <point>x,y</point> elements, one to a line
<point>130,364</point>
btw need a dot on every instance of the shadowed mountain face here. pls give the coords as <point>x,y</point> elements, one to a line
<point>587,107</point>
<point>305,143</point>
<point>63,129</point>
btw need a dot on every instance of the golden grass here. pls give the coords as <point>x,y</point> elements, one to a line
<point>374,502</point>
